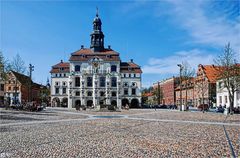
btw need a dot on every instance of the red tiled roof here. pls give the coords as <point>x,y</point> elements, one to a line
<point>148,94</point>
<point>86,54</point>
<point>130,67</point>
<point>211,72</point>
<point>60,67</point>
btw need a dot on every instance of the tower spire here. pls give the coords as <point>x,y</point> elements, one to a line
<point>97,36</point>
<point>96,11</point>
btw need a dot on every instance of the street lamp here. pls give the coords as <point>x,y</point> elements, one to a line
<point>181,68</point>
<point>31,69</point>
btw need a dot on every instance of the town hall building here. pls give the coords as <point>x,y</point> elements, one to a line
<point>96,76</point>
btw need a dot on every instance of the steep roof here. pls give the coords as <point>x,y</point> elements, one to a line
<point>60,67</point>
<point>130,67</point>
<point>25,80</point>
<point>211,72</point>
<point>85,54</point>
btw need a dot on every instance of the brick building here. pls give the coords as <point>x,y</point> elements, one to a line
<point>167,88</point>
<point>188,96</point>
<point>17,88</point>
<point>205,84</point>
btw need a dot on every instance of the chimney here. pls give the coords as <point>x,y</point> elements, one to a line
<point>131,60</point>
<point>82,46</point>
<point>109,46</point>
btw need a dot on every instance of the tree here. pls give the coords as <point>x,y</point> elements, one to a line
<point>229,72</point>
<point>187,74</point>
<point>18,65</point>
<point>4,66</point>
<point>157,94</point>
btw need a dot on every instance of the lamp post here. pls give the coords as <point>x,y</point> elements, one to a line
<point>31,69</point>
<point>159,93</point>
<point>181,68</point>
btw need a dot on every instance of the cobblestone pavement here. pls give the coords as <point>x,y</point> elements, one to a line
<point>141,133</point>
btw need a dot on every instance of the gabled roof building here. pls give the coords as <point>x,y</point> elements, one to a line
<point>96,76</point>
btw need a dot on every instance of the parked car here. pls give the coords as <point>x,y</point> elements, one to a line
<point>220,109</point>
<point>202,107</point>
<point>236,110</point>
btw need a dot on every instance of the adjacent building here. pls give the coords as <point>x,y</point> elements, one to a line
<point>205,85</point>
<point>1,92</point>
<point>223,95</point>
<point>167,90</point>
<point>187,90</point>
<point>96,76</point>
<point>18,90</point>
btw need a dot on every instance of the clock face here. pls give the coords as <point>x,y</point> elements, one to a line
<point>95,64</point>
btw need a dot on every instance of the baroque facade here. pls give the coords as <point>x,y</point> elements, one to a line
<point>96,76</point>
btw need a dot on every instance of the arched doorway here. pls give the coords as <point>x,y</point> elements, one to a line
<point>77,103</point>
<point>89,103</point>
<point>65,102</point>
<point>56,102</point>
<point>125,102</point>
<point>134,103</point>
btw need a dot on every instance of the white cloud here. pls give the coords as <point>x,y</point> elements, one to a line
<point>217,31</point>
<point>168,65</point>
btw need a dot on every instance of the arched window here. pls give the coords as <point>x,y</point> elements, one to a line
<point>113,68</point>
<point>77,68</point>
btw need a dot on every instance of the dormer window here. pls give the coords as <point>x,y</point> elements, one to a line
<point>77,68</point>
<point>113,68</point>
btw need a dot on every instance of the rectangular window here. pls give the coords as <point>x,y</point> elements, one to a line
<point>114,82</point>
<point>89,81</point>
<point>220,99</point>
<point>102,82</point>
<point>77,93</point>
<point>64,90</point>
<point>124,75</point>
<point>57,90</point>
<point>133,91</point>
<point>9,88</point>
<point>226,99</point>
<point>77,81</point>
<point>125,91</point>
<point>134,75</point>
<point>114,94</point>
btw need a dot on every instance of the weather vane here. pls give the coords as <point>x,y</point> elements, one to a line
<point>97,11</point>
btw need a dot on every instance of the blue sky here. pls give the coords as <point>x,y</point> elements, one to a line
<point>156,34</point>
